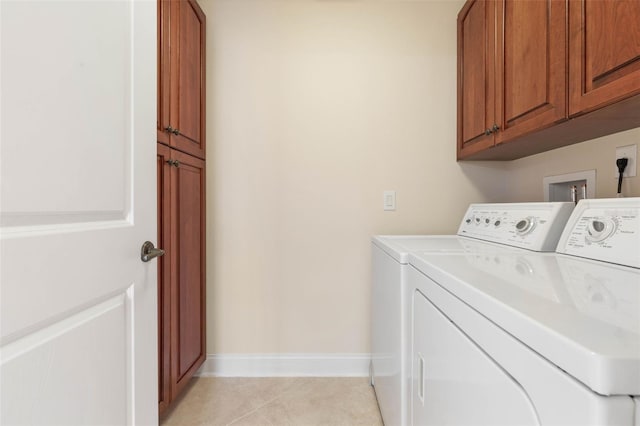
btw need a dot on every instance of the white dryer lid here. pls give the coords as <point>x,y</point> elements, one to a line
<point>580,314</point>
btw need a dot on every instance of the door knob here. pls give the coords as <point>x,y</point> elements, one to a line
<point>148,251</point>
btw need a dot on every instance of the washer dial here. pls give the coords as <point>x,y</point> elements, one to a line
<point>526,225</point>
<point>600,229</point>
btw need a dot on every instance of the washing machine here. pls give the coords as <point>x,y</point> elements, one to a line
<point>485,229</point>
<point>523,338</point>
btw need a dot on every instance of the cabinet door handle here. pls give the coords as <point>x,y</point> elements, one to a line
<point>170,129</point>
<point>495,128</point>
<point>487,132</point>
<point>174,163</point>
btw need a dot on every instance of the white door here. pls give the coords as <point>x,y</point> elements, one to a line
<point>78,198</point>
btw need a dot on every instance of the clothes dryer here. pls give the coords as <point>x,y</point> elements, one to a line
<point>532,338</point>
<point>485,229</point>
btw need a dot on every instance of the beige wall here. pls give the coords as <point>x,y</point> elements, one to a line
<point>525,175</point>
<point>314,109</point>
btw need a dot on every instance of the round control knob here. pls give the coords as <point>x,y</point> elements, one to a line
<point>487,220</point>
<point>525,226</point>
<point>600,229</point>
<point>468,221</point>
<point>496,223</point>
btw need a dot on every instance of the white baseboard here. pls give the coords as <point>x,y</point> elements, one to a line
<point>285,365</point>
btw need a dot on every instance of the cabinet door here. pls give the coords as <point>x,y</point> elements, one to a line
<point>187,113</point>
<point>164,277</point>
<point>604,53</point>
<point>187,269</point>
<point>163,123</point>
<point>531,66</point>
<point>476,74</point>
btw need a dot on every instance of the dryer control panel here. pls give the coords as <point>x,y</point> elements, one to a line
<point>604,229</point>
<point>534,226</point>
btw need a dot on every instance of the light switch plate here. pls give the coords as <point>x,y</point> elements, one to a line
<point>389,200</point>
<point>630,152</point>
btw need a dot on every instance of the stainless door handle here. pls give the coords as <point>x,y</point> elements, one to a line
<point>148,251</point>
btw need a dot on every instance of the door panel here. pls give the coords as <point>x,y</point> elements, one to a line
<point>604,52</point>
<point>164,277</point>
<point>40,71</point>
<point>188,77</point>
<point>448,367</point>
<point>476,71</point>
<point>76,164</point>
<point>164,58</point>
<point>188,294</point>
<point>526,53</point>
<point>531,58</point>
<point>35,365</point>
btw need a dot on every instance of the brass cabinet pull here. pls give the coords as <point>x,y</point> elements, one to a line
<point>170,129</point>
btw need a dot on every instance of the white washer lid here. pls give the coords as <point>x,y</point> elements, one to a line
<point>582,315</point>
<point>399,246</point>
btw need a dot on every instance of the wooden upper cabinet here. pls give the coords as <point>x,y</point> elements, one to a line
<point>476,76</point>
<point>538,75</point>
<point>531,66</point>
<point>511,71</point>
<point>181,76</point>
<point>604,53</point>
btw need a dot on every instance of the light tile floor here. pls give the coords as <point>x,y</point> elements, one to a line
<point>276,401</point>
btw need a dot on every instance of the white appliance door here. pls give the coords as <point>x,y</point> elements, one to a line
<point>455,382</point>
<point>78,336</point>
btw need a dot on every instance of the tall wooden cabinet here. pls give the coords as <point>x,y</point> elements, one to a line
<point>181,195</point>
<point>536,75</point>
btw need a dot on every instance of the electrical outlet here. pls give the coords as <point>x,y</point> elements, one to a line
<point>631,153</point>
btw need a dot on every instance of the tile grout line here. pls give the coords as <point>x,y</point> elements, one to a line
<point>257,408</point>
<point>253,411</point>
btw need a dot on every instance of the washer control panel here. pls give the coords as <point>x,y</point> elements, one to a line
<point>604,229</point>
<point>534,226</point>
